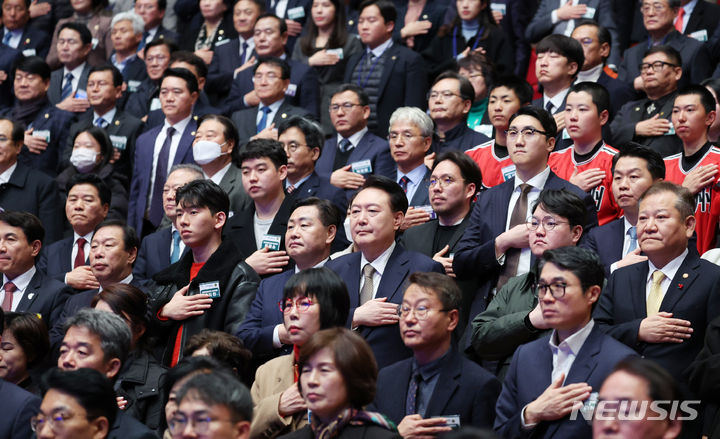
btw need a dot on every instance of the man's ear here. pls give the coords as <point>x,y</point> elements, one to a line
<point>36,246</point>
<point>101,427</point>
<point>112,368</point>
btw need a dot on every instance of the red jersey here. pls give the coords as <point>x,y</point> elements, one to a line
<point>495,170</point>
<point>707,204</point>
<point>563,164</point>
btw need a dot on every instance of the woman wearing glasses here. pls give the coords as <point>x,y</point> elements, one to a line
<point>313,299</point>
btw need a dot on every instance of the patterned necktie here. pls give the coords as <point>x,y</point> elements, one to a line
<point>549,107</point>
<point>6,38</point>
<point>7,301</point>
<point>366,293</point>
<point>512,256</point>
<point>175,256</point>
<point>161,168</point>
<point>100,122</point>
<point>80,255</point>
<point>345,145</point>
<point>404,180</point>
<point>67,87</point>
<point>632,231</point>
<point>290,189</point>
<point>656,295</point>
<point>243,54</point>
<point>264,119</point>
<point>411,400</point>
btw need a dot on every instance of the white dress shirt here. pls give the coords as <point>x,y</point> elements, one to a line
<point>669,270</point>
<point>354,139</point>
<point>159,140</point>
<point>21,283</point>
<point>556,100</point>
<point>5,176</point>
<point>76,72</point>
<point>378,264</point>
<point>274,107</point>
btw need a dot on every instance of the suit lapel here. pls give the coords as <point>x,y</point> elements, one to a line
<point>685,276</point>
<point>420,197</point>
<point>637,290</point>
<point>447,384</point>
<point>353,279</point>
<point>31,292</point>
<point>459,232</point>
<point>185,141</point>
<point>585,361</point>
<point>395,273</point>
<point>387,67</point>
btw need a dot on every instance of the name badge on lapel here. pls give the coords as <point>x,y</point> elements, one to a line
<point>362,167</point>
<point>133,86</point>
<point>43,134</point>
<point>271,241</point>
<point>119,142</point>
<point>212,289</point>
<point>291,90</point>
<point>296,13</point>
<point>29,52</point>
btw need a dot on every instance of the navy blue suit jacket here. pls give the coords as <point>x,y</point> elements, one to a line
<point>17,406</point>
<point>44,296</point>
<point>34,42</point>
<point>154,254</point>
<point>134,71</point>
<point>222,68</point>
<point>463,388</point>
<point>8,55</point>
<point>530,374</point>
<point>140,185</point>
<point>317,186</point>
<point>256,331</point>
<point>370,147</point>
<point>607,241</point>
<point>421,197</point>
<point>690,296</point>
<point>54,260</point>
<point>385,340</point>
<point>303,80</point>
<point>620,93</point>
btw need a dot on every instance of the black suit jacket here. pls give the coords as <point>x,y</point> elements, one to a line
<point>222,68</point>
<point>54,93</point>
<point>55,259</point>
<point>240,230</point>
<point>421,196</point>
<point>8,55</point>
<point>370,147</point>
<point>607,241</point>
<point>17,406</point>
<point>317,186</point>
<point>34,42</point>
<point>463,388</point>
<point>44,296</point>
<point>134,73</point>
<point>620,93</point>
<point>231,183</point>
<point>403,83</point>
<point>705,16</point>
<point>225,32</point>
<point>623,127</point>
<point>385,340</point>
<point>154,254</point>
<point>36,193</point>
<point>245,120</point>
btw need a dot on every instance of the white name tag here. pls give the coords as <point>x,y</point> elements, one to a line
<point>29,52</point>
<point>338,52</point>
<point>700,35</point>
<point>133,86</point>
<point>155,104</point>
<point>565,134</point>
<point>429,210</point>
<point>671,131</point>
<point>212,289</point>
<point>43,134</point>
<point>362,167</point>
<point>291,90</point>
<point>80,94</point>
<point>221,42</point>
<point>95,43</point>
<point>295,13</point>
<point>498,7</point>
<point>589,12</point>
<point>270,241</point>
<point>508,172</point>
<point>119,142</point>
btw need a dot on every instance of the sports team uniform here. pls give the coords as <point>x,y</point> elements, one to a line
<point>707,203</point>
<point>495,170</point>
<point>563,164</point>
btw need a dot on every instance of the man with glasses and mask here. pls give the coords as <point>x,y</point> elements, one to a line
<point>647,121</point>
<point>551,377</point>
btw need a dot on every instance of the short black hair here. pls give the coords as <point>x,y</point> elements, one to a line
<point>85,35</point>
<point>563,46</point>
<point>706,98</point>
<point>91,389</point>
<point>281,22</point>
<point>443,286</point>
<point>171,46</point>
<point>583,263</point>
<point>185,367</point>
<point>602,33</point>
<point>203,193</point>
<point>519,86</point>
<point>712,83</point>
<point>230,130</point>
<point>542,116</point>
<point>563,203</point>
<point>33,65</point>
<point>653,159</point>
<point>468,168</point>
<point>387,9</point>
<point>276,62</point>
<point>670,52</point>
<point>327,289</point>
<point>260,148</point>
<point>29,223</point>
<point>192,59</point>
<point>116,75</point>
<point>467,92</point>
<point>598,93</point>
<point>18,130</point>
<point>130,237</point>
<point>186,75</point>
<point>398,198</point>
<point>219,388</point>
<point>103,190</point>
<point>314,137</point>
<point>363,98</point>
<point>661,384</point>
<point>328,213</point>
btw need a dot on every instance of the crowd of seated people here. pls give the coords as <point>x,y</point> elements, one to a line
<point>360,218</point>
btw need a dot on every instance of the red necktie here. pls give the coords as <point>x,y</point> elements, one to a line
<point>7,301</point>
<point>679,21</point>
<point>80,256</point>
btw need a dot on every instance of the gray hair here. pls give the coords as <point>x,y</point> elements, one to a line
<point>114,333</point>
<point>138,23</point>
<point>415,116</point>
<point>191,167</point>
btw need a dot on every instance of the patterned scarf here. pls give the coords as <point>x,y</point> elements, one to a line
<point>349,416</point>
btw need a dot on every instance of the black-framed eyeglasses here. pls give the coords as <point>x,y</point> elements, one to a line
<point>56,421</point>
<point>557,289</point>
<point>201,424</point>
<point>293,146</point>
<point>548,223</point>
<point>421,312</point>
<point>302,304</point>
<point>347,106</point>
<point>657,66</point>
<point>527,133</point>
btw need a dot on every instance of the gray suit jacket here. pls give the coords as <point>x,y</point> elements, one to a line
<point>232,184</point>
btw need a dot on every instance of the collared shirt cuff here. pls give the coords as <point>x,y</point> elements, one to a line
<point>613,267</point>
<point>553,17</point>
<point>276,337</point>
<point>524,424</point>
<point>501,259</point>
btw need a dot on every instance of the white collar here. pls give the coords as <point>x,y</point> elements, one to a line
<point>380,262</point>
<point>379,50</point>
<point>670,269</point>
<point>22,281</point>
<point>538,181</point>
<point>218,176</point>
<point>415,176</point>
<point>556,100</point>
<point>590,75</point>
<point>575,341</point>
<point>108,117</point>
<point>76,72</point>
<point>88,237</point>
<point>179,127</point>
<point>355,138</point>
<point>5,176</point>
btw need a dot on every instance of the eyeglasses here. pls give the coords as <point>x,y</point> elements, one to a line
<point>302,304</point>
<point>442,181</point>
<point>56,421</point>
<point>446,94</point>
<point>528,133</point>
<point>548,223</point>
<point>657,7</point>
<point>557,289</point>
<point>656,66</point>
<point>347,106</point>
<point>406,136</point>
<point>201,424</point>
<point>420,312</point>
<point>293,146</point>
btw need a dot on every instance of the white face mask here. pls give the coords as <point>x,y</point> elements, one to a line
<point>205,151</point>
<point>83,159</point>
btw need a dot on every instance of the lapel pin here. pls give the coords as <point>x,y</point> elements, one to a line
<point>685,275</point>
<point>394,57</point>
<point>284,116</point>
<point>351,22</point>
<point>424,16</point>
<point>117,123</point>
<point>47,115</point>
<point>31,295</point>
<point>195,117</point>
<point>662,113</point>
<point>193,133</point>
<point>97,26</point>
<point>27,41</point>
<point>680,286</point>
<point>221,31</point>
<point>637,108</point>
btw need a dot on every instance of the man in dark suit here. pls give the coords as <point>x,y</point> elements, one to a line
<point>495,245</point>
<point>164,247</point>
<point>702,21</point>
<point>161,147</point>
<point>376,275</point>
<point>271,82</point>
<point>449,101</point>
<point>345,157</point>
<point>86,206</point>
<point>157,59</point>
<point>302,140</point>
<point>27,289</point>
<point>295,16</point>
<point>634,170</point>
<point>271,33</point>
<point>68,84</point>
<point>127,32</point>
<point>392,75</point>
<point>264,168</point>
<point>18,35</point>
<point>454,182</point>
<point>548,376</point>
<point>24,190</point>
<point>648,121</point>
<point>658,22</point>
<point>8,55</point>
<point>419,393</point>
<point>231,58</point>
<point>153,13</point>
<point>312,229</point>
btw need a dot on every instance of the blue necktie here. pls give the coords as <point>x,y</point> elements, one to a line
<point>175,256</point>
<point>632,231</point>
<point>404,180</point>
<point>6,38</point>
<point>345,145</point>
<point>100,122</point>
<point>243,54</point>
<point>67,87</point>
<point>263,119</point>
